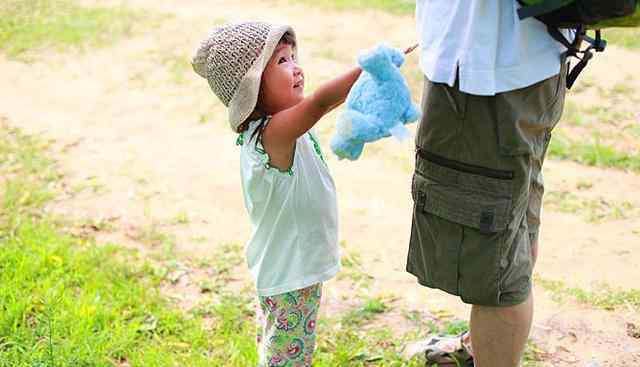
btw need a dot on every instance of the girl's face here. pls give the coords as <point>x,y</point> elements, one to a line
<point>282,84</point>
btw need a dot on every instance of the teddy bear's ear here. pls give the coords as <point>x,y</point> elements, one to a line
<point>374,61</point>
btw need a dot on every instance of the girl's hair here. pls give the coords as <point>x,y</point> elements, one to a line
<point>287,39</point>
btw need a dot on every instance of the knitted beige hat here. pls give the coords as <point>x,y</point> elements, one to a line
<point>232,59</point>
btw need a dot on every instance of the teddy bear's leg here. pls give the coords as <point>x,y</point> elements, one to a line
<point>367,128</point>
<point>411,114</point>
<point>346,147</point>
<point>344,144</point>
<point>400,132</point>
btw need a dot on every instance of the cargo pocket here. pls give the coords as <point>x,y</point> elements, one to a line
<point>461,216</point>
<point>526,115</point>
<point>476,197</point>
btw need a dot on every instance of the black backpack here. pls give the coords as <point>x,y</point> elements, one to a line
<point>580,15</point>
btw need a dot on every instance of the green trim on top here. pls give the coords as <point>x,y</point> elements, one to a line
<point>316,147</point>
<point>260,150</point>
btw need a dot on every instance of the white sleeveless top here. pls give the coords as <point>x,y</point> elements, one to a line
<point>293,214</point>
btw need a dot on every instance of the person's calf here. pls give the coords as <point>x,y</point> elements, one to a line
<point>499,334</point>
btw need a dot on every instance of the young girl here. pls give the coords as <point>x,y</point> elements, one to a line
<point>288,190</point>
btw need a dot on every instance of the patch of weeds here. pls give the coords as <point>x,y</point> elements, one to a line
<point>592,153</point>
<point>584,84</point>
<point>533,356</point>
<point>207,286</point>
<point>149,234</point>
<point>421,321</point>
<point>181,218</point>
<point>232,331</point>
<point>227,257</point>
<point>584,184</point>
<point>593,210</point>
<point>203,262</point>
<point>35,24</point>
<point>351,345</point>
<point>178,66</point>
<point>601,296</point>
<point>352,268</point>
<point>573,114</point>
<point>623,89</point>
<point>25,177</point>
<point>633,129</point>
<point>455,327</point>
<point>199,239</point>
<point>627,38</point>
<point>327,53</point>
<point>400,7</point>
<point>67,301</point>
<point>211,114</point>
<point>89,183</point>
<point>441,313</point>
<point>366,312</point>
<point>86,228</point>
<point>599,114</point>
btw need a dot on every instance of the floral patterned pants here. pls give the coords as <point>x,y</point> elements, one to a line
<point>287,327</point>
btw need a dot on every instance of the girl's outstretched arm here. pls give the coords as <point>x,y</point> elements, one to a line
<point>286,126</point>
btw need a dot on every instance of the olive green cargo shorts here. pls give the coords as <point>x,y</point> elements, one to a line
<point>477,189</point>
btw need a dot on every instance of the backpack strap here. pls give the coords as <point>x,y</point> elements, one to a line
<point>573,49</point>
<point>543,7</point>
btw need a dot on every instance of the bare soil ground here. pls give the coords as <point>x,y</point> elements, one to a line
<point>145,149</point>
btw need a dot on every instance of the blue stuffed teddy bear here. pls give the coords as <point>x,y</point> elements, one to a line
<point>378,105</point>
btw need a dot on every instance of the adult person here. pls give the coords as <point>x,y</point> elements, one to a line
<point>493,91</point>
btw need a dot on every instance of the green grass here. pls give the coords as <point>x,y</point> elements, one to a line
<point>601,296</point>
<point>366,312</point>
<point>594,116</point>
<point>25,174</point>
<point>352,268</point>
<point>67,301</point>
<point>633,129</point>
<point>179,67</point>
<point>33,24</point>
<point>592,153</point>
<point>627,38</point>
<point>402,7</point>
<point>593,210</point>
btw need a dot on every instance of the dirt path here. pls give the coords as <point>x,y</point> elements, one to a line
<point>129,135</point>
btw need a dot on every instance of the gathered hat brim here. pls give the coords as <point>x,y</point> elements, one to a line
<point>245,98</point>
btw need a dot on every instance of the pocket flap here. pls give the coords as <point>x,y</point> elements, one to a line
<point>472,200</point>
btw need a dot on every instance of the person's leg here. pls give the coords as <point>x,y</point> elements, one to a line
<point>480,253</point>
<point>287,327</point>
<point>499,334</point>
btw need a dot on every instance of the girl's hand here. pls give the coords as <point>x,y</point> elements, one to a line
<point>410,49</point>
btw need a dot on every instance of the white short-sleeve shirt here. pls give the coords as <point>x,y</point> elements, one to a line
<point>494,50</point>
